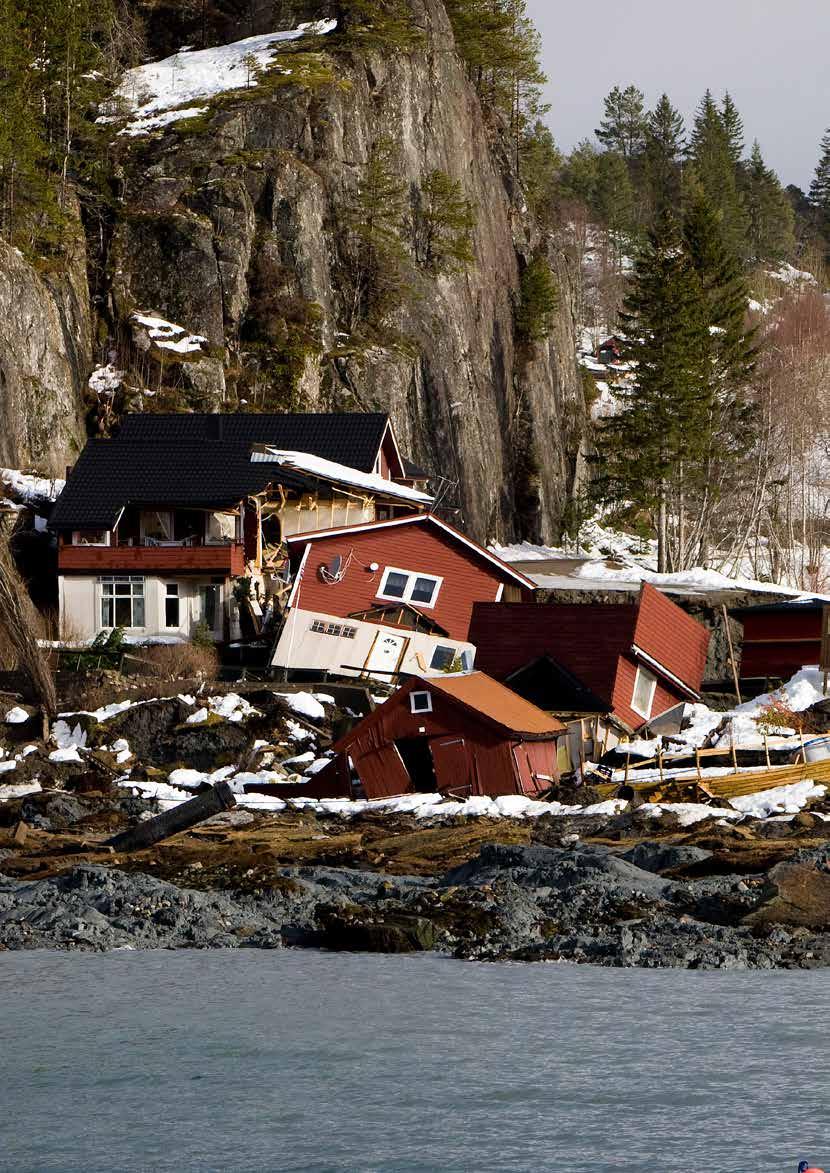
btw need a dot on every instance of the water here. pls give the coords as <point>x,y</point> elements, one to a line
<point>304,1061</point>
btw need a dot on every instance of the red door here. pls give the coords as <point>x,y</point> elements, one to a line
<point>453,766</point>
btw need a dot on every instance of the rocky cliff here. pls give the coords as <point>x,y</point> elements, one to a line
<point>45,359</point>
<point>240,212</point>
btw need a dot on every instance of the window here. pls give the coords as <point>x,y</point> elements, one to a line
<point>419,589</point>
<point>221,528</point>
<point>156,526</point>
<point>342,629</point>
<point>171,605</point>
<point>122,601</point>
<point>91,537</point>
<point>447,659</point>
<point>420,702</point>
<point>211,599</point>
<point>645,686</point>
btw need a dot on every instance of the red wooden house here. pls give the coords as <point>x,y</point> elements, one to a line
<point>780,638</point>
<point>461,735</point>
<point>388,598</point>
<point>632,661</point>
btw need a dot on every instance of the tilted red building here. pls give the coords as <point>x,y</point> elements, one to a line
<point>460,735</point>
<point>632,661</point>
<point>780,638</point>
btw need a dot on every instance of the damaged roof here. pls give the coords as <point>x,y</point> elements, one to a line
<point>204,461</point>
<point>500,705</point>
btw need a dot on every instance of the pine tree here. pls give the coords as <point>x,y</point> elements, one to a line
<point>656,444</point>
<point>613,198</point>
<point>665,137</point>
<point>375,218</point>
<point>711,151</point>
<point>581,172</point>
<point>22,147</point>
<point>541,165</point>
<point>733,126</point>
<point>444,222</point>
<point>820,190</point>
<point>623,128</point>
<point>771,214</point>
<point>538,300</point>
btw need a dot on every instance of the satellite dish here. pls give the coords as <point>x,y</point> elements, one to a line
<point>335,570</point>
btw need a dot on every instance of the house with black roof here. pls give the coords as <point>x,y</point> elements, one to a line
<point>181,520</point>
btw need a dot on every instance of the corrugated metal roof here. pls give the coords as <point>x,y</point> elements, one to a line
<point>499,704</point>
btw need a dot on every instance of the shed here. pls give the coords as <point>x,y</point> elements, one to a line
<point>780,638</point>
<point>461,735</point>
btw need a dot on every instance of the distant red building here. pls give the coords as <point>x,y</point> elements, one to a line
<point>630,660</point>
<point>460,735</point>
<point>780,638</point>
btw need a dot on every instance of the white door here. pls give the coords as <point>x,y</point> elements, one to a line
<point>386,653</point>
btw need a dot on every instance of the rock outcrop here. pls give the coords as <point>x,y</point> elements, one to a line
<point>45,360</point>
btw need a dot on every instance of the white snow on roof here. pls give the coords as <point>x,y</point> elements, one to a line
<point>162,92</point>
<point>168,336</point>
<point>30,490</point>
<point>328,470</point>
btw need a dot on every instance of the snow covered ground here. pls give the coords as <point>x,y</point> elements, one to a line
<point>162,92</point>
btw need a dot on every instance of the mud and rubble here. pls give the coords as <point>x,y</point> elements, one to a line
<point>606,884</point>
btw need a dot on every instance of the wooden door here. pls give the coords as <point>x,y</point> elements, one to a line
<point>386,654</point>
<point>453,766</point>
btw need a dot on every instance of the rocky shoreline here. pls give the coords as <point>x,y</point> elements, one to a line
<point>612,891</point>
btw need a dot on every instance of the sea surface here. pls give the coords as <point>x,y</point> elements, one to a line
<point>311,1061</point>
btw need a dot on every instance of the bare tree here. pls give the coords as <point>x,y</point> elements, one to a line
<point>18,627</point>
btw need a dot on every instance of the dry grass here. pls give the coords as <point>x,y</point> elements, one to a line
<point>180,662</point>
<point>19,625</point>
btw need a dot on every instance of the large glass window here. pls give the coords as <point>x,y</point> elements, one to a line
<point>419,589</point>
<point>157,526</point>
<point>122,601</point>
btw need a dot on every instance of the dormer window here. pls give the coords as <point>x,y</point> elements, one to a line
<point>408,586</point>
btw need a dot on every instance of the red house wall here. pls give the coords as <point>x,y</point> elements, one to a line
<point>417,547</point>
<point>665,697</point>
<point>778,643</point>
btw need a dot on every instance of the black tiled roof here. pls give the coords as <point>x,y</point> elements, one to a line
<point>203,461</point>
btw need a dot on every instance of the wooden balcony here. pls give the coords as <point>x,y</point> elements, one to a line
<point>226,559</point>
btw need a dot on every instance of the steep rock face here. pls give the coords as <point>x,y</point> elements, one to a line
<point>272,177</point>
<point>45,358</point>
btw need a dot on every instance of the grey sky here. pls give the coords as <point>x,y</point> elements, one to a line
<point>770,54</point>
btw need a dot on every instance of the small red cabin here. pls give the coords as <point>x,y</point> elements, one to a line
<point>460,735</point>
<point>780,638</point>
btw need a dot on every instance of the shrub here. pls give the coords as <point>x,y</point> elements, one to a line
<point>777,716</point>
<point>538,301</point>
<point>181,661</point>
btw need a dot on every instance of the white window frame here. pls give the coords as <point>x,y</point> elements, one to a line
<point>133,579</point>
<point>641,674</point>
<point>412,577</point>
<point>77,535</point>
<point>420,693</point>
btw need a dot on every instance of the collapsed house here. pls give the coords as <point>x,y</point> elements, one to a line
<point>458,735</point>
<point>181,520</point>
<point>388,598</point>
<point>625,662</point>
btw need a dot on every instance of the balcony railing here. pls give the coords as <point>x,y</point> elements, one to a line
<point>163,558</point>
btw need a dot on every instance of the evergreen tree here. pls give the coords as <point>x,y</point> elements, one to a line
<point>581,172</point>
<point>650,451</point>
<point>444,222</point>
<point>771,215</point>
<point>711,151</point>
<point>538,300</point>
<point>623,128</point>
<point>541,165</point>
<point>733,126</point>
<point>375,218</point>
<point>820,190</point>
<point>613,197</point>
<point>22,147</point>
<point>664,147</point>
